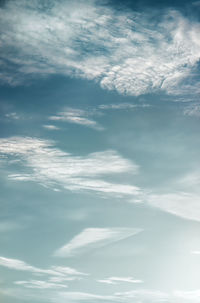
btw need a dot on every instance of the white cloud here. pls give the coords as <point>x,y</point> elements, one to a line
<point>192,110</point>
<point>143,296</point>
<point>91,238</point>
<point>185,205</point>
<point>126,51</point>
<point>68,271</point>
<point>55,271</point>
<point>119,106</point>
<point>193,295</point>
<point>76,116</point>
<point>61,296</point>
<point>51,127</point>
<point>40,284</point>
<point>56,296</point>
<point>19,265</point>
<point>13,116</point>
<point>52,167</point>
<point>116,280</point>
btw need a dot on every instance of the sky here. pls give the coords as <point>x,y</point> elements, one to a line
<point>99,151</point>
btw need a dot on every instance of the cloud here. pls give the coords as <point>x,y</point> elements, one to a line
<point>130,52</point>
<point>51,127</point>
<point>52,167</point>
<point>193,295</point>
<point>55,271</point>
<point>13,116</point>
<point>192,110</point>
<point>119,106</point>
<point>116,280</point>
<point>143,295</point>
<point>76,116</point>
<point>91,238</point>
<point>55,295</point>
<point>19,265</point>
<point>185,205</point>
<point>61,296</point>
<point>40,284</point>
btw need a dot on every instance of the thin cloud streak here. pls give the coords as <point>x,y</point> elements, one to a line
<point>40,284</point>
<point>76,116</point>
<point>116,280</point>
<point>92,238</point>
<point>184,205</point>
<point>55,271</point>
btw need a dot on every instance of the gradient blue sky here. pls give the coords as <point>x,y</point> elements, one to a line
<point>99,151</point>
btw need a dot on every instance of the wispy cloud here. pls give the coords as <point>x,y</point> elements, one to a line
<point>40,284</point>
<point>188,296</point>
<point>185,205</point>
<point>56,296</point>
<point>51,127</point>
<point>192,110</point>
<point>125,51</point>
<point>54,271</point>
<point>91,238</point>
<point>116,280</point>
<point>76,116</point>
<point>12,116</point>
<point>61,296</point>
<point>118,106</point>
<point>143,295</point>
<point>52,167</point>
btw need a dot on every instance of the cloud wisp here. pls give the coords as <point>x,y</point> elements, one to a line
<point>54,168</point>
<point>117,280</point>
<point>181,204</point>
<point>93,238</point>
<point>40,284</point>
<point>52,272</point>
<point>50,127</point>
<point>76,116</point>
<point>123,51</point>
<point>43,291</point>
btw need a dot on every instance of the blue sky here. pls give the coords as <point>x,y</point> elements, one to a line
<point>99,151</point>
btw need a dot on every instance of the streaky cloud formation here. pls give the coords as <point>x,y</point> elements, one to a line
<point>92,238</point>
<point>56,295</point>
<point>76,116</point>
<point>192,110</point>
<point>124,51</point>
<point>40,284</point>
<point>143,295</point>
<point>52,167</point>
<point>51,127</point>
<point>116,280</point>
<point>185,205</point>
<point>62,272</point>
<point>118,106</point>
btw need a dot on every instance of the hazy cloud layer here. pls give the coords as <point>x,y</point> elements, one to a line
<point>129,52</point>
